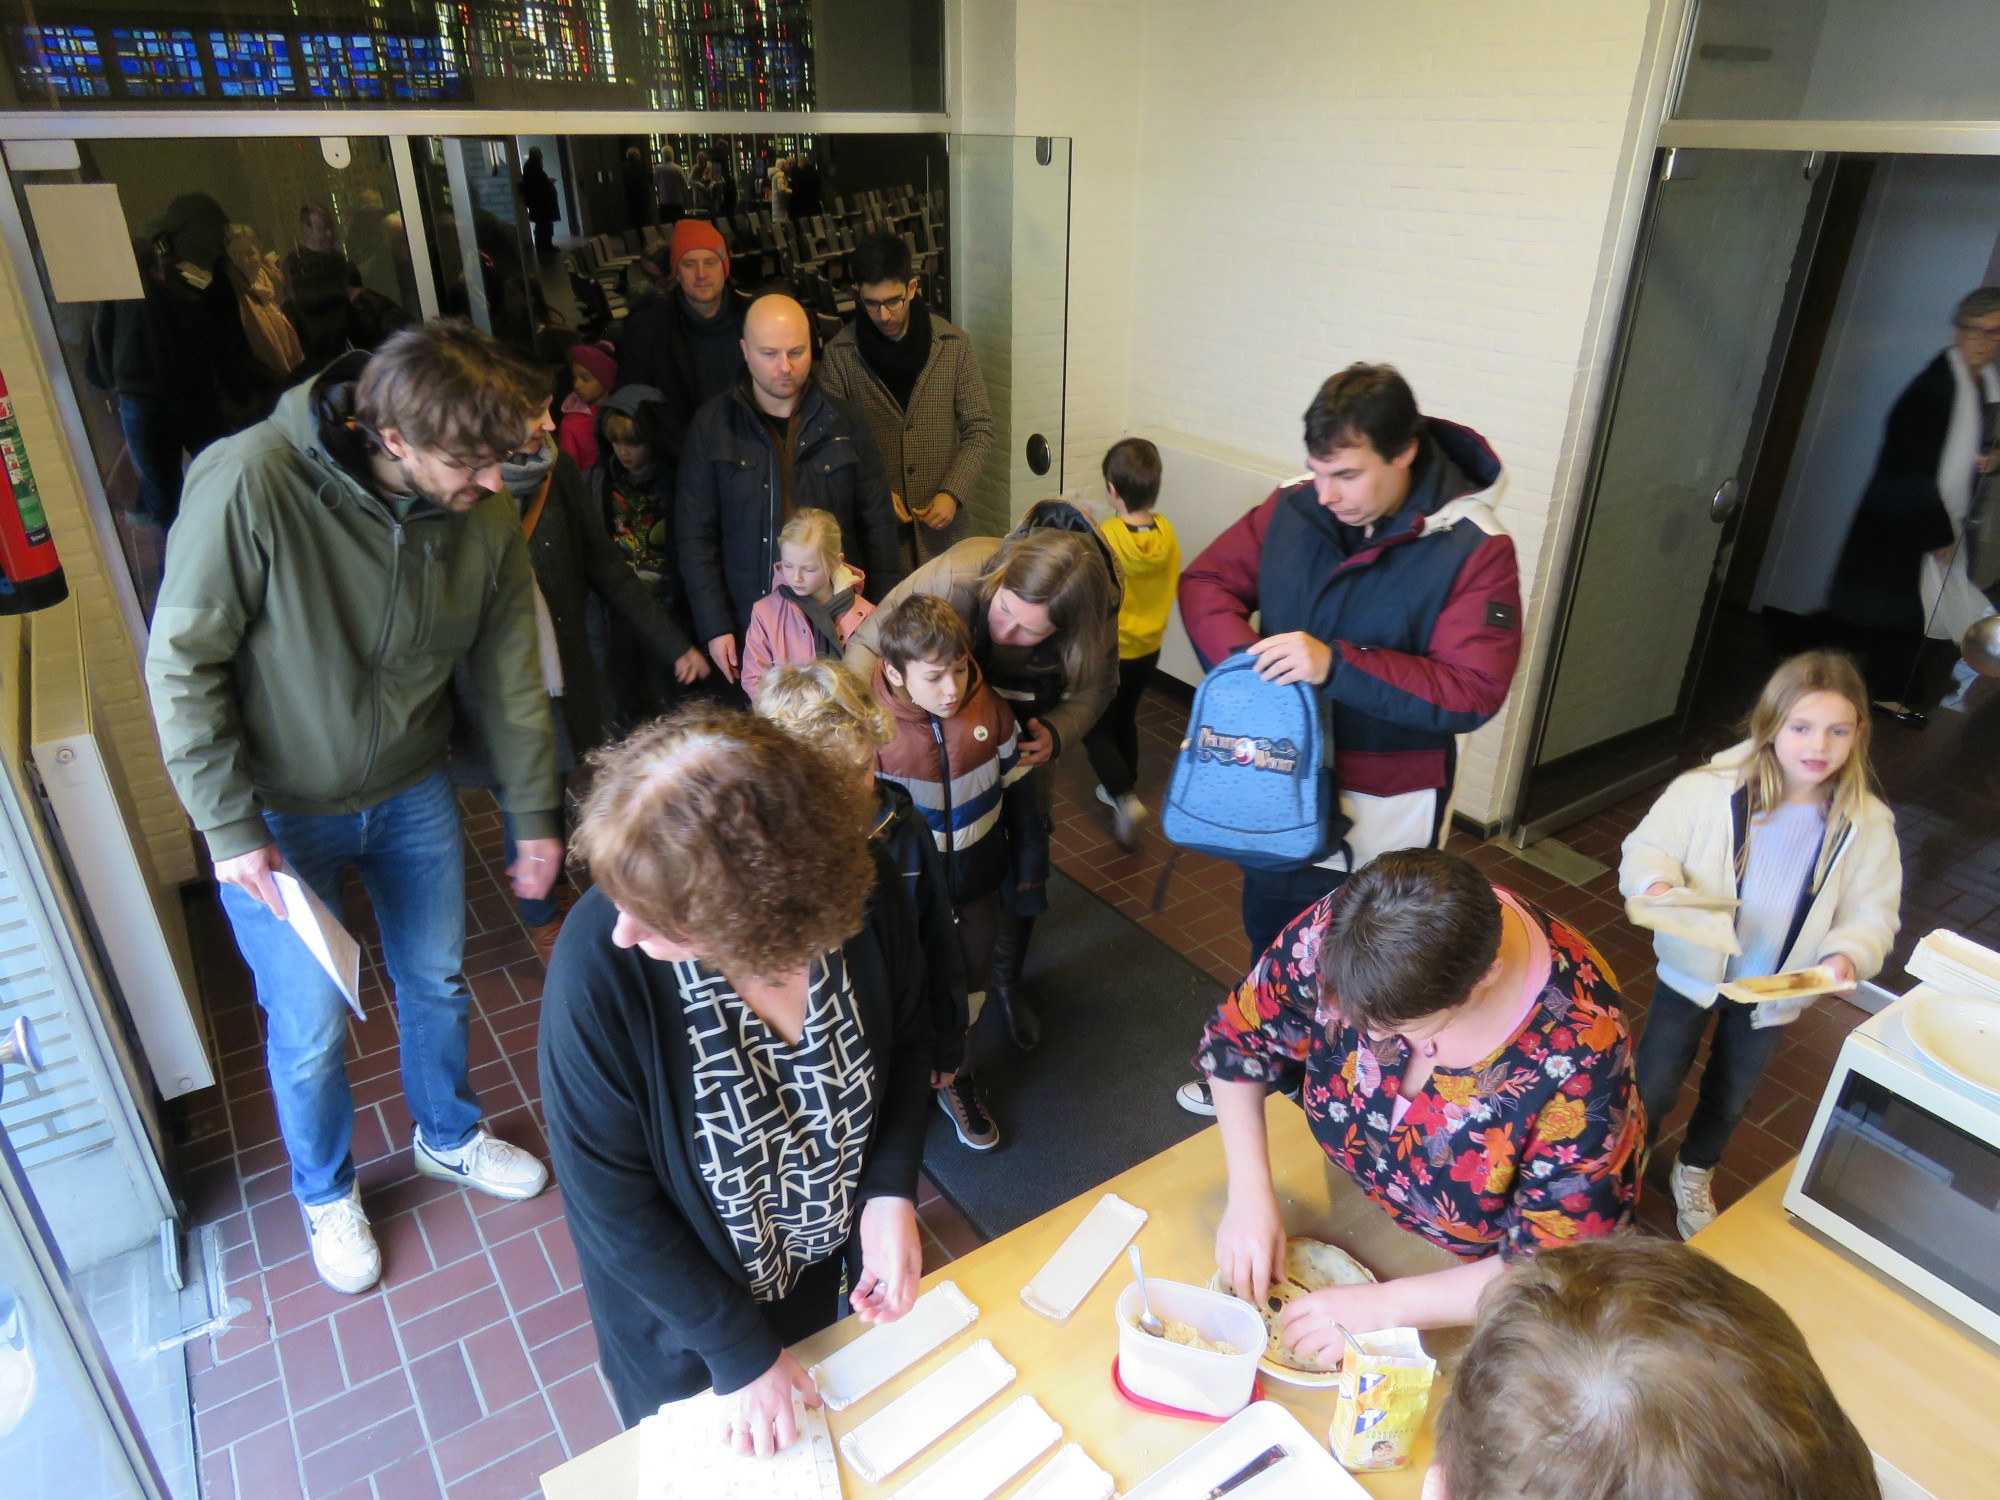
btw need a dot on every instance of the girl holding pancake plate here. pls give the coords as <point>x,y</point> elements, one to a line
<point>1464,1060</point>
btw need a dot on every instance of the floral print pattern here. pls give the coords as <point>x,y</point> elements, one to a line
<point>1536,1146</point>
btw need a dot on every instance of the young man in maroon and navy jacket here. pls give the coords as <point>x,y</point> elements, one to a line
<point>1383,577</point>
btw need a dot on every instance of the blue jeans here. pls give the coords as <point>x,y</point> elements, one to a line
<point>410,852</point>
<point>158,429</point>
<point>1738,1054</point>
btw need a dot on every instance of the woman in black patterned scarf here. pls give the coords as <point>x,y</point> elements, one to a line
<point>735,1056</point>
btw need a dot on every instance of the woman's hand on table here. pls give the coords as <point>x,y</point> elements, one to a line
<point>892,1260</point>
<point>1250,1243</point>
<point>1307,1323</point>
<point>765,1422</point>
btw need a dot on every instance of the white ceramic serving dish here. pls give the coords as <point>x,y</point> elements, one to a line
<point>1960,1034</point>
<point>1309,1473</point>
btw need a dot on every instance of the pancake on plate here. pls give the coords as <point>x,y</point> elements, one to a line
<point>1310,1265</point>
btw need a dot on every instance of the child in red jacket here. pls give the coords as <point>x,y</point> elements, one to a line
<point>593,370</point>
<point>957,753</point>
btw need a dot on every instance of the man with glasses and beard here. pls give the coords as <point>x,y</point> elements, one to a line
<point>915,380</point>
<point>331,566</point>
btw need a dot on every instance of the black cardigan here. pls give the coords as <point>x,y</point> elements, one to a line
<point>1901,516</point>
<point>661,1274</point>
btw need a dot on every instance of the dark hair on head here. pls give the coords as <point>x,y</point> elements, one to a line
<point>1635,1366</point>
<point>718,830</point>
<point>923,628</point>
<point>1132,468</point>
<point>1363,403</point>
<point>880,258</point>
<point>1980,304</point>
<point>1411,933</point>
<point>448,387</point>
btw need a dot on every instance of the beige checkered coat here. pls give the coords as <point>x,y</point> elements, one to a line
<point>941,443</point>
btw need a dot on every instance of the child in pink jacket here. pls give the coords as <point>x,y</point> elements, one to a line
<point>593,371</point>
<point>815,601</point>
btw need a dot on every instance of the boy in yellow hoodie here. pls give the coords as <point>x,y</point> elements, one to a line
<point>1151,556</point>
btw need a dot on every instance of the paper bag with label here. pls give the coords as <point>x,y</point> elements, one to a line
<point>1385,1386</point>
<point>324,937</point>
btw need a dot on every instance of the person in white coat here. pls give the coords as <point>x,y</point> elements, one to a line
<point>1785,825</point>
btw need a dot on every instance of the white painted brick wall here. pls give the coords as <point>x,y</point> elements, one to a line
<point>1267,190</point>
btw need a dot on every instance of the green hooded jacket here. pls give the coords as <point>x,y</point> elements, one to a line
<point>304,637</point>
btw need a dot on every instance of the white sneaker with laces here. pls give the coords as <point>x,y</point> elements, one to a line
<point>1694,1198</point>
<point>343,1246</point>
<point>1195,1097</point>
<point>1127,813</point>
<point>484,1162</point>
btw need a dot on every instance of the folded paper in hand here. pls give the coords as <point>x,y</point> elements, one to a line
<point>329,942</point>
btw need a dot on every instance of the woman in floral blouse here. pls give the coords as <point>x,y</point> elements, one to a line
<point>1465,1061</point>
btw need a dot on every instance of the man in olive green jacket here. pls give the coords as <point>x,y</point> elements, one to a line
<point>329,567</point>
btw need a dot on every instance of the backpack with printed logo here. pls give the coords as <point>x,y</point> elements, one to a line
<point>1253,782</point>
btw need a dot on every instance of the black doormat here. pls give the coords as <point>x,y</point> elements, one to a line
<point>1121,1015</point>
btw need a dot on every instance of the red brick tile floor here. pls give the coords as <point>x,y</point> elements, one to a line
<point>472,1368</point>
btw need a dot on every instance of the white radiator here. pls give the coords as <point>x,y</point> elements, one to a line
<point>140,928</point>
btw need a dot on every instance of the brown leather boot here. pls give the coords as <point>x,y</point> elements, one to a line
<point>544,937</point>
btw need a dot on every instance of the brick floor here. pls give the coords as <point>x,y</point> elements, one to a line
<point>472,1367</point>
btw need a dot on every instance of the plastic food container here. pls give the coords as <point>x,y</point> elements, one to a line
<point>1194,1380</point>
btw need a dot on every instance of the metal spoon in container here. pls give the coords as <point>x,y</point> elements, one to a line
<point>1148,1323</point>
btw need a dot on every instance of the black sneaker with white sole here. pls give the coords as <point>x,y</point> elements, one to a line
<point>1195,1097</point>
<point>962,1105</point>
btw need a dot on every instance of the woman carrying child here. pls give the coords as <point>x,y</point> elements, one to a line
<point>1785,828</point>
<point>815,602</point>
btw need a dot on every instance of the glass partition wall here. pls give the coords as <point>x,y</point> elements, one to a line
<point>180,280</point>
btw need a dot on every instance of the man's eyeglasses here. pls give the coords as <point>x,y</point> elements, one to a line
<point>893,304</point>
<point>1975,330</point>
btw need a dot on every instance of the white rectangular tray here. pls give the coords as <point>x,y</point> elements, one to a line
<point>1311,1472</point>
<point>1082,1259</point>
<point>888,1349</point>
<point>926,1412</point>
<point>997,1450</point>
<point>1070,1475</point>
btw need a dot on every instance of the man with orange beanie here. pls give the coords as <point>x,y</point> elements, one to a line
<point>688,345</point>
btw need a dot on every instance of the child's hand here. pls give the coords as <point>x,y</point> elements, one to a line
<point>1842,966</point>
<point>1658,888</point>
<point>691,667</point>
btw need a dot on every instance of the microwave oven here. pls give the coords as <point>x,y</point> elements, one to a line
<point>1902,1169</point>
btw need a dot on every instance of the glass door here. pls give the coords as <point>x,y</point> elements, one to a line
<point>1007,285</point>
<point>1728,236</point>
<point>480,244</point>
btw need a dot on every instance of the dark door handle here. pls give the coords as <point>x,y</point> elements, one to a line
<point>1038,453</point>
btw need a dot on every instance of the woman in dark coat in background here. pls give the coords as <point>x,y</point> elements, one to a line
<point>539,198</point>
<point>1898,573</point>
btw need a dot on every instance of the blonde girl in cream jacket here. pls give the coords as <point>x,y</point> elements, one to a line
<point>1786,823</point>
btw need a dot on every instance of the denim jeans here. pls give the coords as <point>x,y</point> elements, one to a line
<point>1271,898</point>
<point>1737,1058</point>
<point>410,852</point>
<point>158,429</point>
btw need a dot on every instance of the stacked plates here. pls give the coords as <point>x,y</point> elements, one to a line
<point>1956,965</point>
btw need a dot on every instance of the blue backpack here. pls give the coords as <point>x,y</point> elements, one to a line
<point>1253,782</point>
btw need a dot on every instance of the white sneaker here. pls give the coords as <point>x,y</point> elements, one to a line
<point>1127,812</point>
<point>1694,1198</point>
<point>485,1162</point>
<point>343,1246</point>
<point>1195,1097</point>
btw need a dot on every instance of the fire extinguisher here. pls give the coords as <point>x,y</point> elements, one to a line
<point>31,575</point>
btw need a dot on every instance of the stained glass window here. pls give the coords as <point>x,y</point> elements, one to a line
<point>157,64</point>
<point>63,60</point>
<point>252,64</point>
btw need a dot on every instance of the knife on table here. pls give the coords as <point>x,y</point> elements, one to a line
<point>1270,1458</point>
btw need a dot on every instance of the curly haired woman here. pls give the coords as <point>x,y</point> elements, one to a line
<point>735,1060</point>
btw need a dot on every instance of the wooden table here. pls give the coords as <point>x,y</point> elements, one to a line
<point>1921,1389</point>
<point>1067,1366</point>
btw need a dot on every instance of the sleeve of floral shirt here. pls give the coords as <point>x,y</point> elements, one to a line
<point>1579,1168</point>
<point>1262,1032</point>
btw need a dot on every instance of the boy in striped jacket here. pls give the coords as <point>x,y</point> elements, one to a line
<point>956,753</point>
